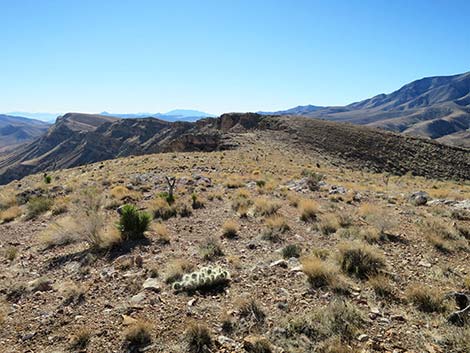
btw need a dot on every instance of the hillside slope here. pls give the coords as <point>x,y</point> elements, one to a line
<point>65,146</point>
<point>434,107</point>
<point>346,265</point>
<point>15,130</point>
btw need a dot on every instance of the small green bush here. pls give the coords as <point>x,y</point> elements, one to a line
<point>291,250</point>
<point>133,223</point>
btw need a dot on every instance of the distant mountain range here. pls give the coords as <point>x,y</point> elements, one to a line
<point>15,130</point>
<point>434,107</point>
<point>173,115</point>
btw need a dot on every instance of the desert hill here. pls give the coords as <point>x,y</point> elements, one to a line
<point>308,252</point>
<point>16,130</point>
<point>80,139</point>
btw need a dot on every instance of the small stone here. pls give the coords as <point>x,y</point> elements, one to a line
<point>281,263</point>
<point>224,340</point>
<point>137,299</point>
<point>424,264</point>
<point>152,284</point>
<point>192,302</point>
<point>362,338</point>
<point>128,320</point>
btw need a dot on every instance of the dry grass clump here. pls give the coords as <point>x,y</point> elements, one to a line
<point>230,228</point>
<point>456,340</point>
<point>381,286</point>
<point>80,339</point>
<point>234,181</point>
<point>339,319</point>
<point>250,310</point>
<point>210,249</point>
<point>344,219</point>
<point>266,207</point>
<point>293,199</point>
<point>37,206</point>
<point>161,231</point>
<point>10,253</point>
<point>308,210</point>
<point>335,345</point>
<point>183,209</point>
<point>426,299</point>
<point>64,231</point>
<point>371,235</point>
<point>319,273</point>
<point>120,193</point>
<point>241,202</point>
<point>328,224</point>
<point>198,338</point>
<point>258,345</point>
<point>10,214</point>
<point>275,226</point>
<point>7,200</point>
<point>72,293</point>
<point>61,205</point>
<point>443,236</point>
<point>138,335</point>
<point>360,260</point>
<point>176,269</point>
<point>215,195</point>
<point>161,209</point>
<point>378,217</point>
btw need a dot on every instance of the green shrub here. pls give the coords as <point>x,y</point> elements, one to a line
<point>291,250</point>
<point>133,223</point>
<point>47,179</point>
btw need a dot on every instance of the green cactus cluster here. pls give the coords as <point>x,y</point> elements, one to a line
<point>206,278</point>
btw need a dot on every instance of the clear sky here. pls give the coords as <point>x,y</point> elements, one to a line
<point>220,56</point>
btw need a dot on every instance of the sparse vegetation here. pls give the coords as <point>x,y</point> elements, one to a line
<point>328,224</point>
<point>133,224</point>
<point>10,214</point>
<point>37,206</point>
<point>251,310</point>
<point>230,229</point>
<point>291,250</point>
<point>210,249</point>
<point>308,210</point>
<point>80,339</point>
<point>426,299</point>
<point>138,335</point>
<point>360,260</point>
<point>198,338</point>
<point>339,319</point>
<point>176,269</point>
<point>162,210</point>
<point>319,273</point>
<point>266,207</point>
<point>162,234</point>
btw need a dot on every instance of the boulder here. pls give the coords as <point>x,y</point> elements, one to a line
<point>419,198</point>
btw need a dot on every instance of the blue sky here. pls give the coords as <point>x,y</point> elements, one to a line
<point>220,56</point>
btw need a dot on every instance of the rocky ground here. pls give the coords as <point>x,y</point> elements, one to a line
<point>62,296</point>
